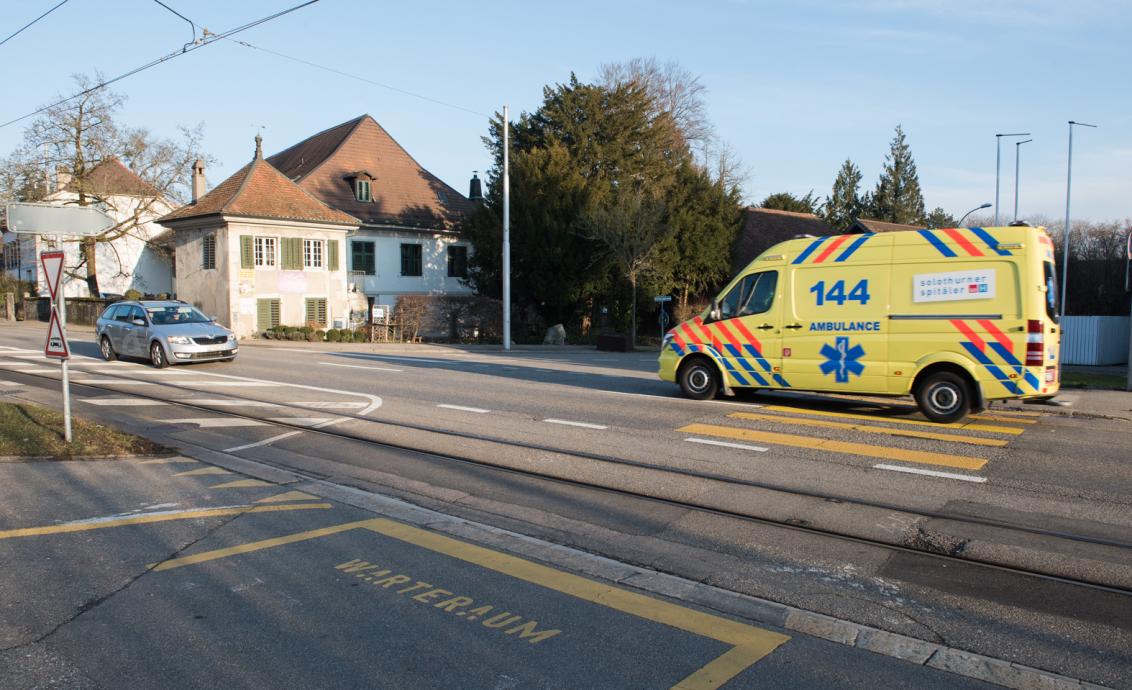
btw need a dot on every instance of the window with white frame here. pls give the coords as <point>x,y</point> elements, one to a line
<point>265,252</point>
<point>312,253</point>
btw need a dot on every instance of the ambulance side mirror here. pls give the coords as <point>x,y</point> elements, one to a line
<point>714,314</point>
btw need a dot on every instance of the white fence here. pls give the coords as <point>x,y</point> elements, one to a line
<point>1094,340</point>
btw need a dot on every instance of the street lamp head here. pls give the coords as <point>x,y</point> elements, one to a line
<point>1019,143</point>
<point>986,205</point>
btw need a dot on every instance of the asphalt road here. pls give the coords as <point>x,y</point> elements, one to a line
<point>1067,474</point>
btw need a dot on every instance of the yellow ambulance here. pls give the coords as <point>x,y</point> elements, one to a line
<point>954,317</point>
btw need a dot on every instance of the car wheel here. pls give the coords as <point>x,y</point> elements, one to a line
<point>699,379</point>
<point>157,356</point>
<point>107,349</point>
<point>944,397</point>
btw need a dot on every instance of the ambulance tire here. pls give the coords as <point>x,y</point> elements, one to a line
<point>699,378</point>
<point>944,397</point>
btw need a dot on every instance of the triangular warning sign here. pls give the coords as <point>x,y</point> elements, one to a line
<point>52,270</point>
<point>56,342</point>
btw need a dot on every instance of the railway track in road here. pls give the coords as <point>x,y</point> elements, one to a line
<point>924,550</point>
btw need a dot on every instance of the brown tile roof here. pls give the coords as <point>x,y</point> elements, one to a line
<point>258,190</point>
<point>863,225</point>
<point>111,177</point>
<point>403,192</point>
<point>765,227</point>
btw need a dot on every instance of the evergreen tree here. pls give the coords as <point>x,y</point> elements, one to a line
<point>940,219</point>
<point>785,201</point>
<point>898,198</point>
<point>844,206</point>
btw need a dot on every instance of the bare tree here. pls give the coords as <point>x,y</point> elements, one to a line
<point>631,226</point>
<point>673,90</point>
<point>73,139</point>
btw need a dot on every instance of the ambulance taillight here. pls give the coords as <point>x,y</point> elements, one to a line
<point>1035,343</point>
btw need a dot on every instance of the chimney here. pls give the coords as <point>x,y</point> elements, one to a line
<point>199,183</point>
<point>475,191</point>
<point>62,178</point>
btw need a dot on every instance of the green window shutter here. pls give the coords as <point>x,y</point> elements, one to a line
<point>322,311</point>
<point>292,254</point>
<point>332,255</point>
<point>247,255</point>
<point>267,313</point>
<point>312,312</point>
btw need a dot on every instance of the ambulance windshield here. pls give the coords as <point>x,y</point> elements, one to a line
<point>752,295</point>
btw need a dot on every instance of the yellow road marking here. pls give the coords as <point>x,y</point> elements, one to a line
<point>288,496</point>
<point>750,644</point>
<point>202,471</point>
<point>970,426</point>
<point>241,484</point>
<point>910,433</point>
<point>69,527</point>
<point>984,416</point>
<point>167,461</point>
<point>886,452</point>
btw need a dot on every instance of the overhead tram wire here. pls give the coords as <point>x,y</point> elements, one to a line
<point>361,79</point>
<point>191,24</point>
<point>25,26</point>
<point>208,39</point>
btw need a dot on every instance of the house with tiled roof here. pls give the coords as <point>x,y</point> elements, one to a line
<point>259,251</point>
<point>409,240</point>
<point>867,225</point>
<point>766,227</point>
<point>135,255</point>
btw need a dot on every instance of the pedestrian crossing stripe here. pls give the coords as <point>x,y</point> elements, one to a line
<point>907,433</point>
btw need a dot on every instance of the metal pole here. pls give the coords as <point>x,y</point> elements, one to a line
<point>998,165</point>
<point>997,170</point>
<point>1017,167</point>
<point>62,306</point>
<point>506,230</point>
<point>1065,234</point>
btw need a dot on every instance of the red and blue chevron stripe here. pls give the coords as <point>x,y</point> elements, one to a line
<point>965,243</point>
<point>834,243</point>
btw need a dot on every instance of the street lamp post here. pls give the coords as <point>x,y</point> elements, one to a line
<point>998,165</point>
<point>1017,149</point>
<point>977,208</point>
<point>1065,234</point>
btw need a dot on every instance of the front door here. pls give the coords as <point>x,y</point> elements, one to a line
<point>748,332</point>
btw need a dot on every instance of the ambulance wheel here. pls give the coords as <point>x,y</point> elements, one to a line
<point>944,397</point>
<point>699,379</point>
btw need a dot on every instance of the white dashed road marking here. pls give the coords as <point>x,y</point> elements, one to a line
<point>122,402</point>
<point>358,366</point>
<point>584,425</point>
<point>216,422</point>
<point>461,408</point>
<point>725,444</point>
<point>932,473</point>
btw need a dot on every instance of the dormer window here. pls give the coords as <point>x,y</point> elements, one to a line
<point>361,190</point>
<point>441,196</point>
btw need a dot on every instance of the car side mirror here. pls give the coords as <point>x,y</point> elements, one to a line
<point>138,322</point>
<point>715,314</point>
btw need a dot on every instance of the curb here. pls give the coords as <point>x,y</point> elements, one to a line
<point>910,649</point>
<point>83,458</point>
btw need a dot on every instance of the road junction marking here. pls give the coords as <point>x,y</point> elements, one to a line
<point>827,424</point>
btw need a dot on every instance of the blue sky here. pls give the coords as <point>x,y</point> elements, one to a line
<point>794,88</point>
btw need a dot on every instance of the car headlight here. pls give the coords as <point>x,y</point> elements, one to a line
<point>179,340</point>
<point>231,337</point>
<point>667,339</point>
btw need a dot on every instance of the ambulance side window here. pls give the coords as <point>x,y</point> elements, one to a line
<point>752,295</point>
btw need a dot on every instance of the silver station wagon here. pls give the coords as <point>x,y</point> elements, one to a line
<point>167,332</point>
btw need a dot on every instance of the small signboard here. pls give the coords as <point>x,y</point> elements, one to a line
<point>662,298</point>
<point>52,271</point>
<point>52,219</point>
<point>56,346</point>
<point>378,313</point>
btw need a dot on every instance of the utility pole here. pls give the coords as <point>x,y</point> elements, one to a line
<point>506,230</point>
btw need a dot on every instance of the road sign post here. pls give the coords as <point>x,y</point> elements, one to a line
<point>67,221</point>
<point>56,345</point>
<point>661,300</point>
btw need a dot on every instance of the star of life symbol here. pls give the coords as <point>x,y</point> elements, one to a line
<point>842,360</point>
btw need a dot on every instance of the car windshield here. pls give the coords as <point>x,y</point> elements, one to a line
<point>174,314</point>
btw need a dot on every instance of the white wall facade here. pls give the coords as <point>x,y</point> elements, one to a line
<point>388,283</point>
<point>130,262</point>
